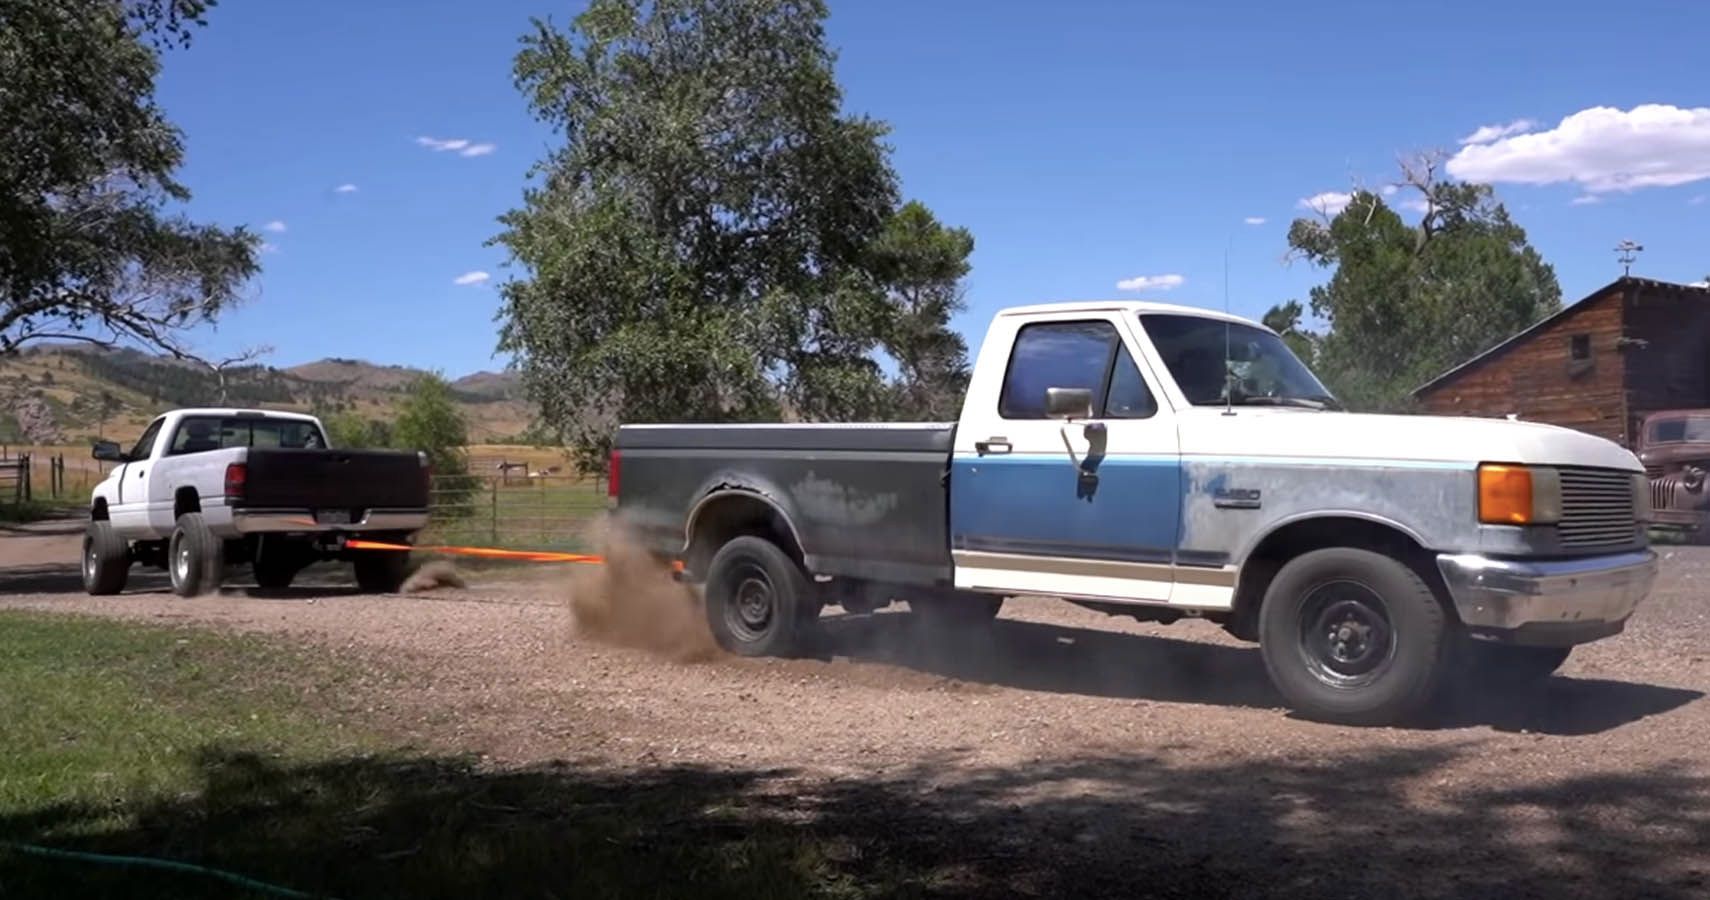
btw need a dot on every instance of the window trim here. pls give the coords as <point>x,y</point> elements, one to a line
<point>1117,347</point>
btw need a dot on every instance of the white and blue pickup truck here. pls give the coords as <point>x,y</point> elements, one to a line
<point>1164,462</point>
<point>205,488</point>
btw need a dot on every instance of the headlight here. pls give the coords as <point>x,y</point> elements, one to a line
<point>1518,495</point>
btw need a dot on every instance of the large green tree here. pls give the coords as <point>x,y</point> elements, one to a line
<point>921,263</point>
<point>702,245</point>
<point>89,248</point>
<point>1407,301</point>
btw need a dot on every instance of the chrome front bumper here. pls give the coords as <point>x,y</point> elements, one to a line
<point>1547,602</point>
<point>300,521</point>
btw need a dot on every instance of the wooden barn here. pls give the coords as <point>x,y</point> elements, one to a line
<point>1633,347</point>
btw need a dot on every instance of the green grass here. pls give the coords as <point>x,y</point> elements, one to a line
<point>257,757</point>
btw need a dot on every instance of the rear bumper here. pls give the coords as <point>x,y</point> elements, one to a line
<point>1547,602</point>
<point>303,521</point>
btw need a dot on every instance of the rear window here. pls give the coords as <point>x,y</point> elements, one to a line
<point>199,434</point>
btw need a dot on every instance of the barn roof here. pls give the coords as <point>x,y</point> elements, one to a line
<point>1520,337</point>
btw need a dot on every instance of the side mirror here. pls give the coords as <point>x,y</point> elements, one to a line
<point>108,451</point>
<point>1068,403</point>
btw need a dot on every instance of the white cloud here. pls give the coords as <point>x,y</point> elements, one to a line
<point>438,144</point>
<point>1417,204</point>
<point>1150,283</point>
<point>460,146</point>
<point>1329,203</point>
<point>1490,133</point>
<point>475,277</point>
<point>269,248</point>
<point>345,189</point>
<point>1601,149</point>
<point>1699,200</point>
<point>275,226</point>
<point>1254,220</point>
<point>1388,190</point>
<point>1586,200</point>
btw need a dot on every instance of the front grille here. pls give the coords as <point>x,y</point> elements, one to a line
<point>1597,508</point>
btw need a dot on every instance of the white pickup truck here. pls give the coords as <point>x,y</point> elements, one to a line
<point>203,488</point>
<point>1164,462</point>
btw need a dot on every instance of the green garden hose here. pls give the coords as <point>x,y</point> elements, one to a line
<point>167,864</point>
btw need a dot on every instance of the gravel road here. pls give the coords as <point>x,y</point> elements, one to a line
<point>1065,753</point>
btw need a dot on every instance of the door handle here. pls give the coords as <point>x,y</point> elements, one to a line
<point>996,445</point>
<point>139,473</point>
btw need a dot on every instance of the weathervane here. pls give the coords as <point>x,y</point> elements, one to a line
<point>1625,253</point>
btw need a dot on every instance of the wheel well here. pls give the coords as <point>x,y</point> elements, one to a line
<point>735,515</point>
<point>98,512</point>
<point>184,501</point>
<point>1297,538</point>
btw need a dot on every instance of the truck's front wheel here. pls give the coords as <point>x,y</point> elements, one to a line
<point>1352,636</point>
<point>195,558</point>
<point>106,559</point>
<point>755,595</point>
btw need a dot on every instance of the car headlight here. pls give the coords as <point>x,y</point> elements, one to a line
<point>1518,495</point>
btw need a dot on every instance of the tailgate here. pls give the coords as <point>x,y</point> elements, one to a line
<point>335,479</point>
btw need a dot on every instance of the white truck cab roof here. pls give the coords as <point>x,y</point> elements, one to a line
<point>248,413</point>
<point>1136,307</point>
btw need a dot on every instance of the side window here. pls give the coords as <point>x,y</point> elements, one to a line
<point>197,436</point>
<point>1075,355</point>
<point>1128,398</point>
<point>145,444</point>
<point>1056,354</point>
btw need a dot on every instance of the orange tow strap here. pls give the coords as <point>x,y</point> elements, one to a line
<point>486,552</point>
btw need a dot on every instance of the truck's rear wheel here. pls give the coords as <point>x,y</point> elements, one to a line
<point>194,557</point>
<point>276,568</point>
<point>382,571</point>
<point>106,559</point>
<point>756,596</point>
<point>1352,636</point>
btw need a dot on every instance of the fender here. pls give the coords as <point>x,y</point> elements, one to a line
<point>728,485</point>
<point>1259,539</point>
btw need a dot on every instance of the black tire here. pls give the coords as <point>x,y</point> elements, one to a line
<point>1353,636</point>
<point>194,557</point>
<point>106,560</point>
<point>382,571</point>
<point>1499,666</point>
<point>952,609</point>
<point>276,568</point>
<point>757,598</point>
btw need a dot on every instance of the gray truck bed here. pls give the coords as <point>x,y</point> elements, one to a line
<point>866,501</point>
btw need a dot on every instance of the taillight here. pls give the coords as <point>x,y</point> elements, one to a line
<point>237,475</point>
<point>612,474</point>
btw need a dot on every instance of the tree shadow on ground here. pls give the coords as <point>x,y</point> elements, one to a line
<point>67,578</point>
<point>1062,659</point>
<point>1385,823</point>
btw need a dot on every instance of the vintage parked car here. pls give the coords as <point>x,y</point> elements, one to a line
<point>1674,446</point>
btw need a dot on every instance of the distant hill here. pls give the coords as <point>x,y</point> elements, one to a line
<point>54,394</point>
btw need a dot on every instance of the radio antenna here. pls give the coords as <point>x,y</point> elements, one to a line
<point>1228,389</point>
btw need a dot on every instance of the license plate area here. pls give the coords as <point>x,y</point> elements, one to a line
<point>334,516</point>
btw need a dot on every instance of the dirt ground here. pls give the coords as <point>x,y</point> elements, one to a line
<point>1067,750</point>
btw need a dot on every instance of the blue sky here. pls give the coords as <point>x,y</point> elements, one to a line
<point>1085,144</point>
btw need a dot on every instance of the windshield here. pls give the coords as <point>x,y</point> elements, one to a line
<point>1674,431</point>
<point>1261,369</point>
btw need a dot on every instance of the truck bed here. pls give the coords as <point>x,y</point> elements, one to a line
<point>866,500</point>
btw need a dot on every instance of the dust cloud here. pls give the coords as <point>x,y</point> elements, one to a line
<point>436,574</point>
<point>632,600</point>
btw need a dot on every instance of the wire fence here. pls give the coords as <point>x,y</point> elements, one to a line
<point>44,478</point>
<point>516,512</point>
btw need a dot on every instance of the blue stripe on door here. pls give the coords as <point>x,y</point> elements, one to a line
<point>1031,504</point>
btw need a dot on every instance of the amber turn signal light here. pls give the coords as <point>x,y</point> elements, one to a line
<point>1504,495</point>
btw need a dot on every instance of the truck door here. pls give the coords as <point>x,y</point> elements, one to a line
<point>130,512</point>
<point>1066,508</point>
